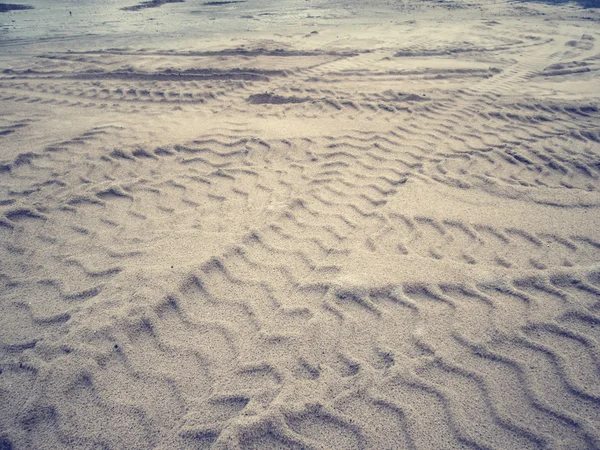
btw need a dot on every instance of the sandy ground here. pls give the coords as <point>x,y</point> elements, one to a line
<point>300,224</point>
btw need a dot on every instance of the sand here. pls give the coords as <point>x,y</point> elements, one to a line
<point>300,224</point>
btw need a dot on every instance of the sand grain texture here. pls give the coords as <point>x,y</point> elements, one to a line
<point>243,225</point>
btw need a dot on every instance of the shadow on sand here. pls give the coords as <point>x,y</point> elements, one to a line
<point>582,3</point>
<point>5,7</point>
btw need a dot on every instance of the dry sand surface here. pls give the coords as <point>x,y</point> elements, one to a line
<point>299,224</point>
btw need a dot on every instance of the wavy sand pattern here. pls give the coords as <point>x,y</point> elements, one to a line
<point>239,225</point>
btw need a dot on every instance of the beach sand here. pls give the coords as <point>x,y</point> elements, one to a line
<point>301,224</point>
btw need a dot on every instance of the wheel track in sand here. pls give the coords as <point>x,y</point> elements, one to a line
<point>306,355</point>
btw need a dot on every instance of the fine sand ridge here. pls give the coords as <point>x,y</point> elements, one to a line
<point>385,241</point>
